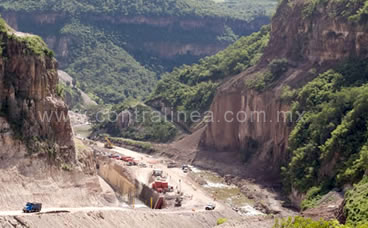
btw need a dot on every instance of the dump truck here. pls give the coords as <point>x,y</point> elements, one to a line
<point>108,144</point>
<point>32,207</point>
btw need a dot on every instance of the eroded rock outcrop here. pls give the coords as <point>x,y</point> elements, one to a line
<point>28,96</point>
<point>310,45</point>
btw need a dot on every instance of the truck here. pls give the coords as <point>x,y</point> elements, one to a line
<point>32,207</point>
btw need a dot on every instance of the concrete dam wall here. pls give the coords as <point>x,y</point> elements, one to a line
<point>125,183</point>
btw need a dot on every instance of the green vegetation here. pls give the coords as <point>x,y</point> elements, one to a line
<point>201,8</point>
<point>300,222</point>
<point>261,81</point>
<point>221,221</point>
<point>288,94</point>
<point>356,207</point>
<point>311,198</point>
<point>34,44</point>
<point>140,123</point>
<point>192,88</point>
<point>3,26</point>
<point>60,90</point>
<point>336,100</point>
<point>354,10</point>
<point>123,75</point>
<point>141,146</point>
<point>250,7</point>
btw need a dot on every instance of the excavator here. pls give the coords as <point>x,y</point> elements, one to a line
<point>108,144</point>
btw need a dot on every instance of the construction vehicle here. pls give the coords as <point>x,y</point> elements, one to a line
<point>115,156</point>
<point>159,203</point>
<point>160,187</point>
<point>178,201</point>
<point>157,173</point>
<point>142,165</point>
<point>127,159</point>
<point>210,207</point>
<point>32,207</point>
<point>171,165</point>
<point>108,144</point>
<point>132,163</point>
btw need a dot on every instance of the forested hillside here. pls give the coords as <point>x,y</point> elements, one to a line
<point>323,158</point>
<point>192,88</point>
<point>118,49</point>
<point>188,89</point>
<point>144,7</point>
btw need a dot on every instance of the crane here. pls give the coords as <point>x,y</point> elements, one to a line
<point>108,143</point>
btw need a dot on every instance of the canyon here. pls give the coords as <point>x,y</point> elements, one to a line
<point>318,43</point>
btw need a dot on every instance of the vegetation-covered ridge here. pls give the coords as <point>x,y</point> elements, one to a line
<point>138,122</point>
<point>354,10</point>
<point>192,88</point>
<point>112,74</point>
<point>144,7</point>
<point>34,44</point>
<point>336,154</point>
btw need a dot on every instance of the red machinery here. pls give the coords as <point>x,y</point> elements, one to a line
<point>160,186</point>
<point>127,159</point>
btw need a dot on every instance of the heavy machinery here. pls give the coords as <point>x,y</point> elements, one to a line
<point>108,144</point>
<point>160,186</point>
<point>114,156</point>
<point>32,207</point>
<point>178,201</point>
<point>159,203</point>
<point>210,207</point>
<point>127,159</point>
<point>171,165</point>
<point>132,163</point>
<point>157,173</point>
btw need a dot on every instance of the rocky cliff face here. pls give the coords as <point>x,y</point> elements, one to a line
<point>28,97</point>
<point>317,43</point>
<point>166,37</point>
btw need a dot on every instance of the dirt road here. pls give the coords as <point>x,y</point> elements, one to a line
<point>63,210</point>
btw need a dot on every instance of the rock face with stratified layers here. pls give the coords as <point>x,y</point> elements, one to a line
<point>29,99</point>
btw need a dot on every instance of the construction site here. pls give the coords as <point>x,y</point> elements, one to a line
<point>158,183</point>
<point>112,186</point>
